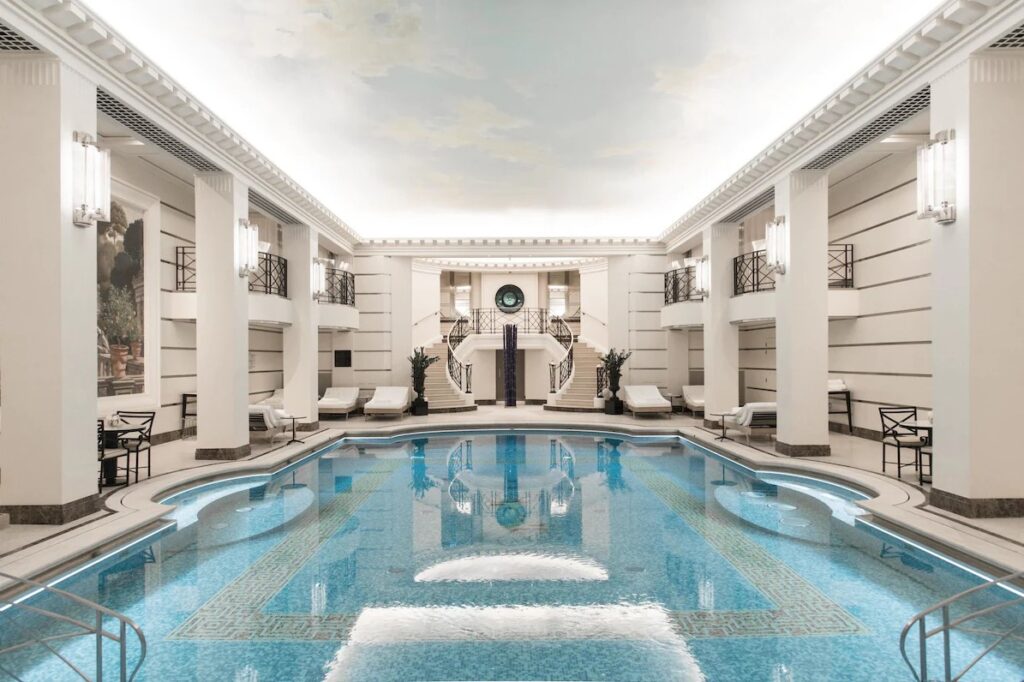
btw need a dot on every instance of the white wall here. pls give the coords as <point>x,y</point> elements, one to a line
<point>425,301</point>
<point>636,295</point>
<point>490,282</point>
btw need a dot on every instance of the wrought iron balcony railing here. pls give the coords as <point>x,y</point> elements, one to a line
<point>341,287</point>
<point>752,274</point>
<point>185,268</point>
<point>271,276</point>
<point>680,285</point>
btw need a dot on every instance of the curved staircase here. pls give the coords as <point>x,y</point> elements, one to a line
<point>582,389</point>
<point>440,394</point>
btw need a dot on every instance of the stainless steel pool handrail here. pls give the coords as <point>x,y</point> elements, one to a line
<point>85,629</point>
<point>919,622</point>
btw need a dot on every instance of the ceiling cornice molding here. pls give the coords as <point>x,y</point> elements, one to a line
<point>470,265</point>
<point>935,45</point>
<point>76,35</point>
<point>537,247</point>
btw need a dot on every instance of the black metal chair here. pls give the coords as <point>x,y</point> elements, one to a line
<point>108,457</point>
<point>139,441</point>
<point>896,433</point>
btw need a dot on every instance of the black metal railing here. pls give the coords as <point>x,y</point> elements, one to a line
<point>681,285</point>
<point>271,276</point>
<point>458,333</point>
<point>840,266</point>
<point>752,274</point>
<point>341,287</point>
<point>461,374</point>
<point>602,379</point>
<point>492,320</point>
<point>185,268</point>
<point>559,372</point>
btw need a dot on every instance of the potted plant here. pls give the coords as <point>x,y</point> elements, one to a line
<point>420,361</point>
<point>118,324</point>
<point>613,361</point>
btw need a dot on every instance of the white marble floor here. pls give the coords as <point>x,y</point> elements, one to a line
<point>847,451</point>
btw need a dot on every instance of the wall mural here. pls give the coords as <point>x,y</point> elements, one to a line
<point>120,277</point>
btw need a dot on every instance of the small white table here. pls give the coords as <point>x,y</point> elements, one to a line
<point>721,420</point>
<point>294,419</point>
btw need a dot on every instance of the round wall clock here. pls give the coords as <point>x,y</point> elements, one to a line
<point>509,298</point>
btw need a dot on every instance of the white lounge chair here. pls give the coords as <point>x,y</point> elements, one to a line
<point>388,401</point>
<point>338,400</point>
<point>645,400</point>
<point>264,418</point>
<point>276,400</point>
<point>760,417</point>
<point>693,399</point>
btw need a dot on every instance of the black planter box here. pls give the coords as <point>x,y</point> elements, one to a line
<point>612,406</point>
<point>419,408</point>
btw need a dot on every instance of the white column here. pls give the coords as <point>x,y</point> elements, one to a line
<point>978,291</point>
<point>594,304</point>
<point>301,341</point>
<point>801,310</point>
<point>678,347</point>
<point>47,297</point>
<point>222,319</point>
<point>721,338</point>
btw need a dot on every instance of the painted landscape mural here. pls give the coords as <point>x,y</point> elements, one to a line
<point>120,290</point>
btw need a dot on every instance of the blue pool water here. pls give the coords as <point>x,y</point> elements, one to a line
<point>519,555</point>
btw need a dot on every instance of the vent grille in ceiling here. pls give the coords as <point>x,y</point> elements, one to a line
<point>259,201</point>
<point>876,128</point>
<point>136,122</point>
<point>12,41</point>
<point>1014,38</point>
<point>760,201</point>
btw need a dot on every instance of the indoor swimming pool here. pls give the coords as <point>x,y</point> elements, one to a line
<point>515,555</point>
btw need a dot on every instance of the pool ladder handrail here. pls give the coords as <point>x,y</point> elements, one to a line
<point>95,628</point>
<point>947,626</point>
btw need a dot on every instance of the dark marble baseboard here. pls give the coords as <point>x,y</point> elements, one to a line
<point>561,408</point>
<point>981,508</point>
<point>869,434</point>
<point>486,402</point>
<point>239,452</point>
<point>802,449</point>
<point>712,423</point>
<point>51,514</point>
<point>165,437</point>
<point>308,426</point>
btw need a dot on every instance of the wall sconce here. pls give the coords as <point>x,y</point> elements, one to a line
<point>674,265</point>
<point>91,181</point>
<point>702,276</point>
<point>776,246</point>
<point>936,178</point>
<point>248,247</point>
<point>319,278</point>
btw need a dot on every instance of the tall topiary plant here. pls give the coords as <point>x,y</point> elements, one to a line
<point>613,361</point>
<point>419,361</point>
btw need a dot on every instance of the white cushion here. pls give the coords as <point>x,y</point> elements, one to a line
<point>694,395</point>
<point>644,396</point>
<point>344,394</point>
<point>836,385</point>
<point>275,400</point>
<point>388,398</point>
